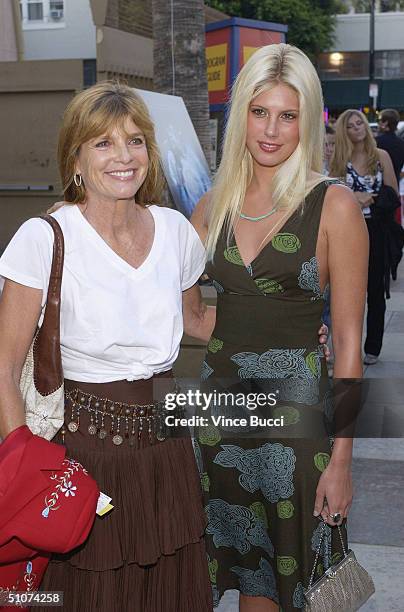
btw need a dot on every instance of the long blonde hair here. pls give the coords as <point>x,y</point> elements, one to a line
<point>344,148</point>
<point>93,112</point>
<point>267,67</point>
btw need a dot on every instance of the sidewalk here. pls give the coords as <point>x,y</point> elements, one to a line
<point>376,521</point>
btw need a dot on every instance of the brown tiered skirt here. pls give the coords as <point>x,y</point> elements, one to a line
<point>148,553</point>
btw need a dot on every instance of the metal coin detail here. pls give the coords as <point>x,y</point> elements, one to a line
<point>102,434</point>
<point>73,426</point>
<point>117,440</point>
<point>92,430</point>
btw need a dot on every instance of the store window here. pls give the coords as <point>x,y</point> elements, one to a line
<point>344,65</point>
<point>355,65</point>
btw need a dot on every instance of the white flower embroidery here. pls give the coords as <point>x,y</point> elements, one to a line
<point>68,489</point>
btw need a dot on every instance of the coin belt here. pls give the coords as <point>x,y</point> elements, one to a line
<point>125,422</point>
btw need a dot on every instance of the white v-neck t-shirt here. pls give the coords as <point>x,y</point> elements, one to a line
<point>117,322</point>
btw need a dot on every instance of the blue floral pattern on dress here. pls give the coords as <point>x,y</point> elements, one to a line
<point>298,380</point>
<point>268,468</point>
<point>236,526</point>
<point>298,596</point>
<point>215,596</point>
<point>309,279</point>
<point>275,363</point>
<point>198,455</point>
<point>259,583</point>
<point>206,371</point>
<point>299,391</point>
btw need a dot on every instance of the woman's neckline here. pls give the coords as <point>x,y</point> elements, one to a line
<point>102,244</point>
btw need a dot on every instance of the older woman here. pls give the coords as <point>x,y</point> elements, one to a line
<point>129,277</point>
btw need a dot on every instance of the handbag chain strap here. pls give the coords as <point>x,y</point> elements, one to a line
<point>319,549</point>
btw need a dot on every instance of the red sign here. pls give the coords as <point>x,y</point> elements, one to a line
<point>252,39</point>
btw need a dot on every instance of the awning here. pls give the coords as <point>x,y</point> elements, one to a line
<point>347,93</point>
<point>392,94</point>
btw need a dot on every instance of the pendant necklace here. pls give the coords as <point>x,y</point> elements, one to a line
<point>268,214</point>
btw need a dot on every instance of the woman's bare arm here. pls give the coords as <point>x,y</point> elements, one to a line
<point>389,177</point>
<point>199,217</point>
<point>348,253</point>
<point>199,319</point>
<point>20,307</point>
<point>348,256</point>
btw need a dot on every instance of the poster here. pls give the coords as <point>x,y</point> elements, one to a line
<point>184,164</point>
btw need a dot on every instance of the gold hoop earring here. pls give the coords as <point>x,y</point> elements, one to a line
<point>77,181</point>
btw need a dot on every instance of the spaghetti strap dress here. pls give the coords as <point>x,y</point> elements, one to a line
<point>260,489</point>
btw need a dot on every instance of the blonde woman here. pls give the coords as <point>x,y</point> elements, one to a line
<point>277,234</point>
<point>129,278</point>
<point>365,168</point>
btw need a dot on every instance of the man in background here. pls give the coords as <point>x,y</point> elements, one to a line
<point>329,146</point>
<point>388,140</point>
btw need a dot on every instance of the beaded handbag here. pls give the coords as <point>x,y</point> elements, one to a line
<point>41,382</point>
<point>345,586</point>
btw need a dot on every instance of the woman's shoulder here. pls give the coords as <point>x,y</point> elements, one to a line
<point>200,215</point>
<point>169,213</point>
<point>38,230</point>
<point>383,156</point>
<point>172,217</point>
<point>35,230</point>
<point>67,215</point>
<point>319,185</point>
<point>202,206</point>
<point>340,205</point>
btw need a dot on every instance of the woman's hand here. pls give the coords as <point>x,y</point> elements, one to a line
<point>322,339</point>
<point>334,492</point>
<point>199,319</point>
<point>364,198</point>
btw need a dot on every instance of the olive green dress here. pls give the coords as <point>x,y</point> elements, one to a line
<point>260,491</point>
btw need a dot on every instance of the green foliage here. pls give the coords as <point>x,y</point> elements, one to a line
<point>387,6</point>
<point>361,6</point>
<point>311,22</point>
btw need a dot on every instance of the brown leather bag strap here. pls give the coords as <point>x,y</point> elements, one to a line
<point>48,373</point>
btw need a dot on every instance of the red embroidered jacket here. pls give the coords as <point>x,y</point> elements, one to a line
<point>47,505</point>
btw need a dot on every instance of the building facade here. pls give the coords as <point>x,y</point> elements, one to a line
<point>49,50</point>
<point>345,68</point>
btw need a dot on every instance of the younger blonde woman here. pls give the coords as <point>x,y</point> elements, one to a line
<point>277,233</point>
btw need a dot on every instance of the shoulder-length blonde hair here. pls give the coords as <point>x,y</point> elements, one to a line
<point>344,147</point>
<point>96,111</point>
<point>267,67</point>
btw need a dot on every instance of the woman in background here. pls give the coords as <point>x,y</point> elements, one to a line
<point>365,168</point>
